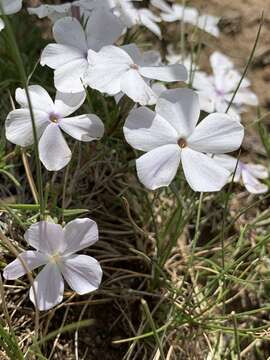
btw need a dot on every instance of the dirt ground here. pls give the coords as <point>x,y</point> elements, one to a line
<point>239,25</point>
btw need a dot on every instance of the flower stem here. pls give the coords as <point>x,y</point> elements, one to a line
<point>248,63</point>
<point>18,60</point>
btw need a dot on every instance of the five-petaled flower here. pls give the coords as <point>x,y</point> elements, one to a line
<point>170,135</point>
<point>190,15</point>
<point>246,173</point>
<point>216,91</point>
<point>55,248</point>
<point>68,57</point>
<point>114,69</point>
<point>50,118</point>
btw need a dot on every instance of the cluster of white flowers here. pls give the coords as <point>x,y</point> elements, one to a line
<point>89,52</point>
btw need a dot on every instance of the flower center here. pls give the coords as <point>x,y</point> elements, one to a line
<point>220,93</point>
<point>55,258</point>
<point>182,143</point>
<point>54,118</point>
<point>134,66</point>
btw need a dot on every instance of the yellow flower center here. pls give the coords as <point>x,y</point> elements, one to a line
<point>55,258</point>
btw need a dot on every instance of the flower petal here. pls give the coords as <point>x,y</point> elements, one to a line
<point>229,163</point>
<point>11,6</point>
<point>144,130</point>
<point>49,288</point>
<point>31,260</point>
<point>202,172</point>
<point>207,102</point>
<point>54,152</point>
<point>45,237</point>
<point>158,88</point>
<point>258,171</point>
<point>186,13</point>
<point>40,99</point>
<point>135,87</point>
<point>245,96</point>
<point>209,24</point>
<point>134,52</point>
<point>169,73</point>
<point>252,184</point>
<point>180,107</point>
<point>161,5</point>
<point>217,134</point>
<point>103,28</point>
<point>220,62</point>
<point>70,77</point>
<point>19,128</point>
<point>148,19</point>
<point>202,81</point>
<point>227,80</point>
<point>82,273</point>
<point>83,127</point>
<point>67,103</point>
<point>68,31</point>
<point>55,55</point>
<point>79,234</point>
<point>159,166</point>
<point>2,24</point>
<point>106,69</point>
<point>150,58</point>
<point>53,12</point>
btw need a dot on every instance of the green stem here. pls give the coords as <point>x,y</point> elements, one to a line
<point>248,63</point>
<point>24,80</point>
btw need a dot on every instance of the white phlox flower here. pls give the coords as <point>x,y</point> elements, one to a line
<point>131,16</point>
<point>53,12</point>
<point>56,247</point>
<point>51,118</point>
<point>68,57</point>
<point>216,91</point>
<point>79,7</point>
<point>170,135</point>
<point>123,9</point>
<point>9,7</point>
<point>177,12</point>
<point>114,69</point>
<point>245,173</point>
<point>151,57</point>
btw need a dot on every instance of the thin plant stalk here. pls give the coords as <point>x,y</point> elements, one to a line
<point>152,324</point>
<point>24,80</point>
<point>250,59</point>
<point>14,251</point>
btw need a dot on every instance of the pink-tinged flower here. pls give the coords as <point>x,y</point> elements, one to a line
<point>246,173</point>
<point>51,118</point>
<point>113,70</point>
<point>56,247</point>
<point>170,135</point>
<point>216,91</point>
